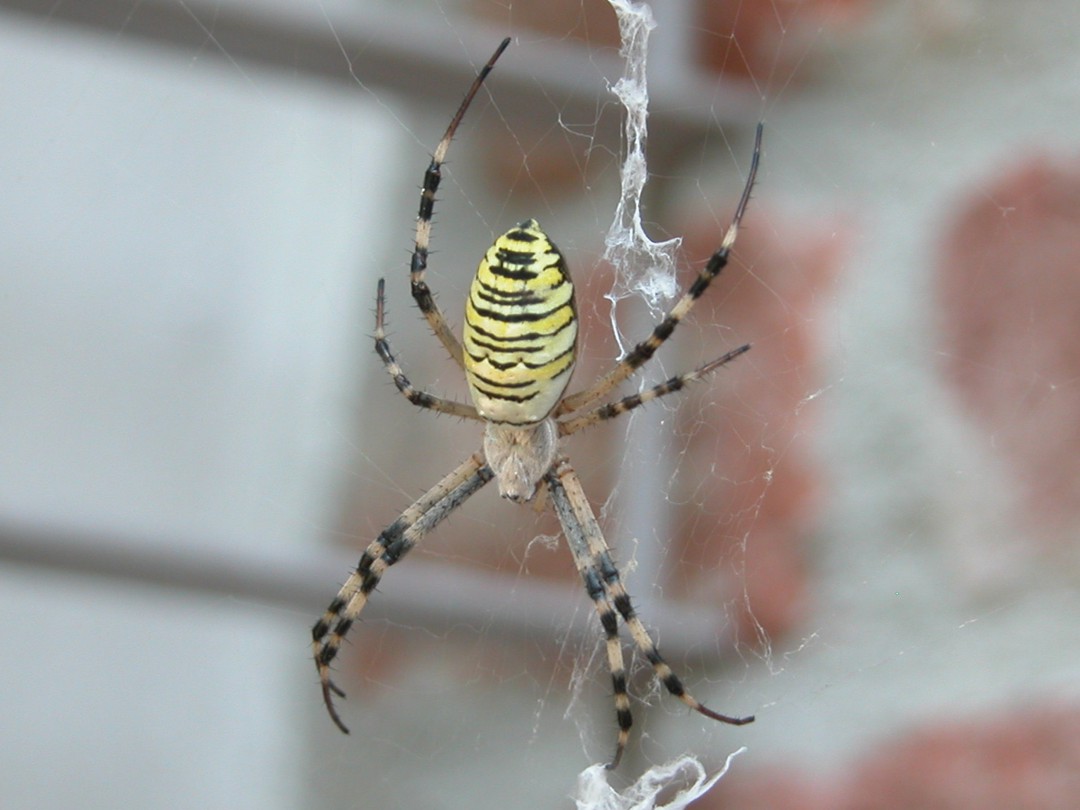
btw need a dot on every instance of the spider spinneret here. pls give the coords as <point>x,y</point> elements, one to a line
<point>518,352</point>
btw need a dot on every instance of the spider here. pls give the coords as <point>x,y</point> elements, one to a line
<point>517,353</point>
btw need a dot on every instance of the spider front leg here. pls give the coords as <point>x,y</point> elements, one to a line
<point>593,557</point>
<point>643,352</point>
<point>388,548</point>
<point>432,177</point>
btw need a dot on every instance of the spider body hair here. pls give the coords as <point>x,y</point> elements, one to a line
<point>520,456</point>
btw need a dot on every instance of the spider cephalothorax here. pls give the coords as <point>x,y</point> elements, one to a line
<point>518,352</point>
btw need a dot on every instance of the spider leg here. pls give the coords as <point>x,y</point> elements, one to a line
<point>643,351</point>
<point>621,406</point>
<point>594,585</point>
<point>388,548</point>
<point>569,499</point>
<point>432,177</point>
<point>415,396</point>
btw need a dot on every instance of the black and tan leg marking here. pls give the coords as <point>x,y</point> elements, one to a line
<point>570,502</point>
<point>609,620</point>
<point>432,177</point>
<point>417,397</point>
<point>621,406</point>
<point>643,351</point>
<point>388,548</point>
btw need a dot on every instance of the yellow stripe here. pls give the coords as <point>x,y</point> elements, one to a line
<point>520,335</point>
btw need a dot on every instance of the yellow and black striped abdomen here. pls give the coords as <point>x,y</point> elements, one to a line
<point>520,332</point>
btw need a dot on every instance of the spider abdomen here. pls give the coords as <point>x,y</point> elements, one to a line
<point>520,334</point>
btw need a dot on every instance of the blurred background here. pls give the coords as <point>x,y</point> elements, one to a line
<point>864,531</point>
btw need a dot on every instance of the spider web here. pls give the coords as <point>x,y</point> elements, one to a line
<point>190,261</point>
<point>647,269</point>
<point>869,567</point>
<point>643,267</point>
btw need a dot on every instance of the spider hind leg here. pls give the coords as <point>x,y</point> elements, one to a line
<point>388,548</point>
<point>604,585</point>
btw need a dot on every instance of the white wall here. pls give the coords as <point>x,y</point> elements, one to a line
<point>186,253</point>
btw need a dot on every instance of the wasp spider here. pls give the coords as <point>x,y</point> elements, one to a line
<point>518,352</point>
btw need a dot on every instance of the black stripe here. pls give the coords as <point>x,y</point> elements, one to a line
<point>524,274</point>
<point>522,298</point>
<point>521,236</point>
<point>497,384</point>
<point>644,351</point>
<point>701,283</point>
<point>665,328</point>
<point>528,336</point>
<point>326,655</point>
<point>670,387</point>
<point>618,680</point>
<point>507,397</point>
<point>550,362</point>
<point>418,263</point>
<point>496,348</point>
<point>525,363</point>
<point>592,585</point>
<point>519,317</point>
<point>674,685</point>
<point>422,293</point>
<point>432,178</point>
<point>521,258</point>
<point>608,620</point>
